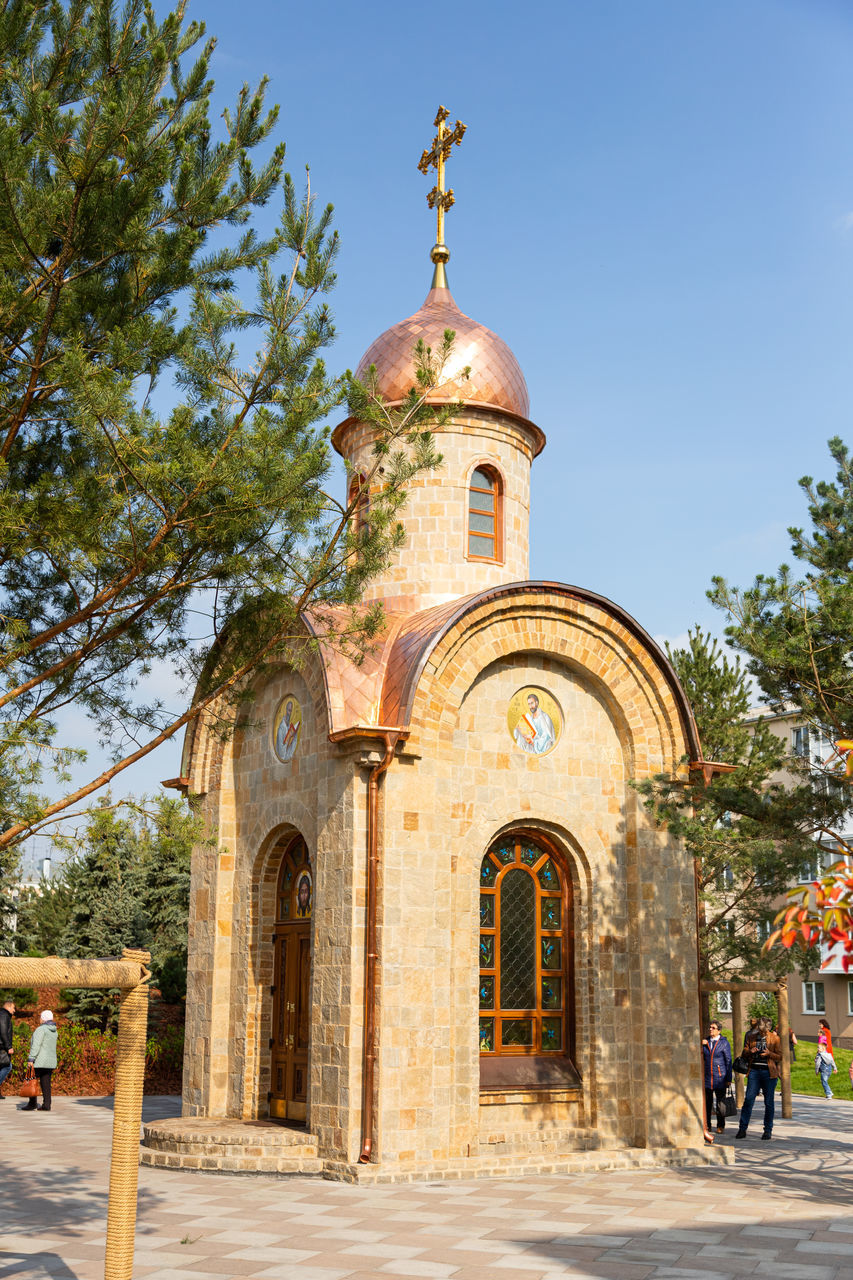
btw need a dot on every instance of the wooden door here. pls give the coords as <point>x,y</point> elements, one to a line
<point>292,988</point>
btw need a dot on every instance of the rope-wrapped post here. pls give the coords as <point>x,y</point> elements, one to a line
<point>127,1117</point>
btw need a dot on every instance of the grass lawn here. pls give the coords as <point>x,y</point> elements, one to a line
<point>803,1077</point>
<point>804,1080</point>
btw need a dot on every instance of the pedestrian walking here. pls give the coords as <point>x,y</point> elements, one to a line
<point>792,1044</point>
<point>824,1063</point>
<point>717,1057</point>
<point>42,1058</point>
<point>763,1050</point>
<point>7,1013</point>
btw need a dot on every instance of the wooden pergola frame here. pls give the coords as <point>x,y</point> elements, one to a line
<point>131,975</point>
<point>738,991</point>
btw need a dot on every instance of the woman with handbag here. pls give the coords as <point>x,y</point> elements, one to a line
<point>717,1057</point>
<point>42,1059</point>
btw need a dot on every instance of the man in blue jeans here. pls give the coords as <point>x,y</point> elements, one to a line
<point>763,1048</point>
<point>6,1015</point>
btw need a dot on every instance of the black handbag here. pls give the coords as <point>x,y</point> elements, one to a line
<point>740,1065</point>
<point>731,1105</point>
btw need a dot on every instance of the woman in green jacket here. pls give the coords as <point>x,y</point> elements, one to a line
<point>42,1058</point>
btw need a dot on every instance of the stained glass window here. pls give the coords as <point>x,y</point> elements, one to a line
<point>295,896</point>
<point>518,940</point>
<point>488,872</point>
<point>524,909</point>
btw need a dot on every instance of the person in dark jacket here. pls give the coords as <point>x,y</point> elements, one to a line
<point>717,1056</point>
<point>7,1013</point>
<point>762,1048</point>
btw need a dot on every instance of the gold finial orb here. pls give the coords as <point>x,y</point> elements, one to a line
<point>439,198</point>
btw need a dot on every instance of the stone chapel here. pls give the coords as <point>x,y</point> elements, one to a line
<point>435,935</point>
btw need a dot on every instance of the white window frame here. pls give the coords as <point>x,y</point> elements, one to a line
<point>724,1001</point>
<point>850,996</point>
<point>810,994</point>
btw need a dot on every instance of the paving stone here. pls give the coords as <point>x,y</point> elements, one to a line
<point>770,1215</point>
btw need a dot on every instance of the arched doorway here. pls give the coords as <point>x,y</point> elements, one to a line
<point>292,985</point>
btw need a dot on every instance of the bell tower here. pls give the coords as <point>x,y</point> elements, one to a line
<point>467,522</point>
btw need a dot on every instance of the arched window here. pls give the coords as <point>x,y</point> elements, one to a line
<point>484,515</point>
<point>295,891</point>
<point>358,493</point>
<point>525,921</point>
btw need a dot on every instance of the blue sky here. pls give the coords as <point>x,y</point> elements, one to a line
<point>654,209</point>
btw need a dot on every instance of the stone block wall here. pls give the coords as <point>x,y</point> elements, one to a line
<point>455,785</point>
<point>434,565</point>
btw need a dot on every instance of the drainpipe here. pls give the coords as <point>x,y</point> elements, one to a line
<point>390,737</point>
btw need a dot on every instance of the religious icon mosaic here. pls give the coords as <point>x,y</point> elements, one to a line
<point>534,720</point>
<point>286,727</point>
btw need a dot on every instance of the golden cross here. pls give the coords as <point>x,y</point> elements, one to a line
<point>438,198</point>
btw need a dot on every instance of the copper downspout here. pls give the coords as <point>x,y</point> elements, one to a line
<point>370,956</point>
<point>390,737</point>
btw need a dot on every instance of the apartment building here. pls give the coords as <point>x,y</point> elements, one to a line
<point>826,992</point>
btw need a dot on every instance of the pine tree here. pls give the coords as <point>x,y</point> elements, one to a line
<point>129,886</point>
<point>750,836</point>
<point>796,631</point>
<point>199,535</point>
<point>107,912</point>
<point>42,916</point>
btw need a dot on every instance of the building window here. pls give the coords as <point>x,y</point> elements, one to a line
<point>814,1000</point>
<point>484,515</point>
<point>800,742</point>
<point>850,998</point>
<point>765,928</point>
<point>825,857</point>
<point>358,497</point>
<point>724,1002</point>
<point>525,907</point>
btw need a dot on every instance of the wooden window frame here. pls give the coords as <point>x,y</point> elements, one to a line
<point>296,852</point>
<point>496,491</point>
<point>566,934</point>
<point>361,515</point>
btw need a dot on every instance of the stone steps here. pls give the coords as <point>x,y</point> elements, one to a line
<point>544,1140</point>
<point>230,1146</point>
<point>538,1165</point>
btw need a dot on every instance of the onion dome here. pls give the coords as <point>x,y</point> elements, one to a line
<point>495,379</point>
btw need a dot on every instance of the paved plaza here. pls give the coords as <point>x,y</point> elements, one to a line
<point>785,1210</point>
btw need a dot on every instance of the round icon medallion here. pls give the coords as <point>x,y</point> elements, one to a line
<point>534,721</point>
<point>286,727</point>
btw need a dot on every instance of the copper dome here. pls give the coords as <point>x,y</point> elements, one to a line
<point>496,378</point>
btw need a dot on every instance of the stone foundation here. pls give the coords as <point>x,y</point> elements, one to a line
<point>262,1147</point>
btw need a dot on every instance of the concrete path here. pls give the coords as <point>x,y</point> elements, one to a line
<point>785,1212</point>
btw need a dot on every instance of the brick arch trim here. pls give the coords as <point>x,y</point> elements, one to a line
<point>419,644</point>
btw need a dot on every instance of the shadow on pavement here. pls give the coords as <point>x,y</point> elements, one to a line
<point>155,1106</point>
<point>35,1265</point>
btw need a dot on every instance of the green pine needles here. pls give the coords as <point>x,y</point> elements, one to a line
<point>133,276</point>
